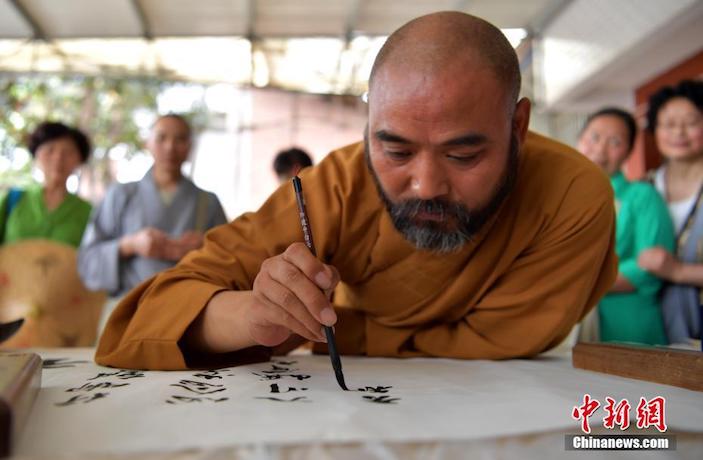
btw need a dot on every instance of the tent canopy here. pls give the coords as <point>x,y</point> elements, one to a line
<point>578,53</point>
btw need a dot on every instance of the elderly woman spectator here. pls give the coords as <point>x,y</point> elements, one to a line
<point>48,211</point>
<point>675,116</point>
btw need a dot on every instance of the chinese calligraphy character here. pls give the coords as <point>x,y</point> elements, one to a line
<point>585,411</point>
<point>275,389</point>
<point>82,398</point>
<point>617,414</point>
<point>123,374</point>
<point>94,386</point>
<point>202,388</point>
<point>279,376</point>
<point>651,413</point>
<point>190,399</point>
<point>268,376</point>
<point>297,398</point>
<point>378,389</point>
<point>385,399</point>
<point>278,369</point>
<point>207,375</point>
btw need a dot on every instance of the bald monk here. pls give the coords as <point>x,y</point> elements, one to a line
<point>451,231</point>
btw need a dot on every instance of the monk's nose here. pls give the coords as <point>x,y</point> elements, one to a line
<point>429,181</point>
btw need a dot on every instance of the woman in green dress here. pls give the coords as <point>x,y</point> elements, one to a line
<point>630,312</point>
<point>48,211</point>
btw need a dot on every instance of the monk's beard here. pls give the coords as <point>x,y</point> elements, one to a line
<point>437,236</point>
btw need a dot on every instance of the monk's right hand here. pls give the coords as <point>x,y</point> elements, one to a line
<point>291,296</point>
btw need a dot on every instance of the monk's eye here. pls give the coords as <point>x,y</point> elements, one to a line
<point>397,154</point>
<point>464,159</point>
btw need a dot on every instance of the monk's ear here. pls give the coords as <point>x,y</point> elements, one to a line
<point>521,118</point>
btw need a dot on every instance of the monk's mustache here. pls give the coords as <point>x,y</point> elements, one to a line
<point>409,209</point>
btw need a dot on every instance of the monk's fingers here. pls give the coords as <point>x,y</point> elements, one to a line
<point>274,314</point>
<point>324,276</point>
<point>335,281</point>
<point>304,289</point>
<point>280,297</point>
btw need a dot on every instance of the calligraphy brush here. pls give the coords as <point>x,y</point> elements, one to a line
<point>307,234</point>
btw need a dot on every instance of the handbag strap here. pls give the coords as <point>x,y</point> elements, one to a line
<point>13,197</point>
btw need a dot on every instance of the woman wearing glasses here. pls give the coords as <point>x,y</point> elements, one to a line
<point>675,117</point>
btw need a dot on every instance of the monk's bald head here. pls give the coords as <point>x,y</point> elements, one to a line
<point>439,41</point>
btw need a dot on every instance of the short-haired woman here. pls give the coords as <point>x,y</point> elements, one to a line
<point>48,211</point>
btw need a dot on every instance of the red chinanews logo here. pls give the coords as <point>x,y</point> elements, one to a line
<point>649,413</point>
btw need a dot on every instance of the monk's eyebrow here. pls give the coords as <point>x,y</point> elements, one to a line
<point>387,136</point>
<point>469,140</point>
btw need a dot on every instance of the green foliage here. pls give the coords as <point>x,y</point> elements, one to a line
<point>104,108</point>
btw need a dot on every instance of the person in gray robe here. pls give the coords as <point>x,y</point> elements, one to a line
<point>142,228</point>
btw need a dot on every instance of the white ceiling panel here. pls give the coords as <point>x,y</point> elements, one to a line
<point>508,13</point>
<point>172,58</point>
<point>659,51</point>
<point>190,18</point>
<point>583,41</point>
<point>582,48</point>
<point>295,18</point>
<point>381,17</point>
<point>271,18</point>
<point>84,18</point>
<point>12,25</point>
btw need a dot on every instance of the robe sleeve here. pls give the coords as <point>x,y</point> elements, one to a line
<point>548,289</point>
<point>99,254</point>
<point>146,329</point>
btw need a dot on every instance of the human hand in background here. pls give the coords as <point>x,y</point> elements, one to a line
<point>153,243</point>
<point>176,248</point>
<point>659,262</point>
<point>148,242</point>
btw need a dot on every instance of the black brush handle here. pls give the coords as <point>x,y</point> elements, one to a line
<point>307,235</point>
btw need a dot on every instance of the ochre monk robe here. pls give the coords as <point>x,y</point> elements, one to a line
<point>515,290</point>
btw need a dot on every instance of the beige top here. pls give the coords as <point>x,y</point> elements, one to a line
<point>515,291</point>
